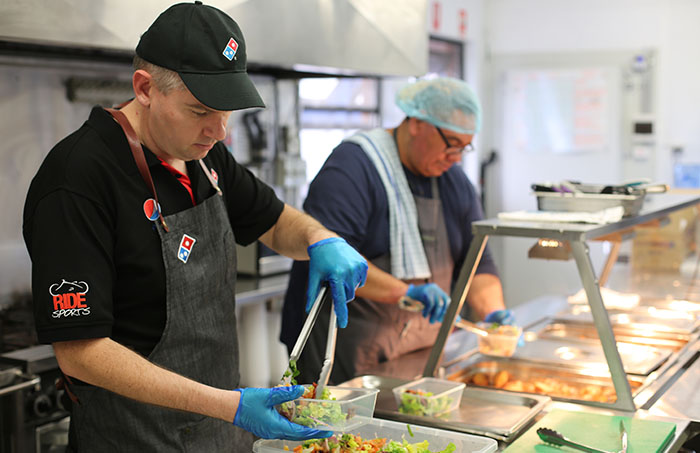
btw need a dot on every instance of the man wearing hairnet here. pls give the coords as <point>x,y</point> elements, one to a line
<point>397,196</point>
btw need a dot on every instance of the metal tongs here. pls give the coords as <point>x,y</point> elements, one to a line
<point>553,437</point>
<point>330,341</point>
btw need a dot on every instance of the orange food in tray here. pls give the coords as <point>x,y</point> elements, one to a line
<point>545,386</point>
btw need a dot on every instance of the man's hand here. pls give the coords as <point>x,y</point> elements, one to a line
<point>501,317</point>
<point>257,413</point>
<point>334,261</point>
<point>433,298</point>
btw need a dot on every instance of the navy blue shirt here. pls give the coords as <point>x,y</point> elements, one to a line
<point>348,197</point>
<point>92,247</point>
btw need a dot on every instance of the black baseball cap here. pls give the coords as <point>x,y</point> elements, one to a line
<point>206,48</point>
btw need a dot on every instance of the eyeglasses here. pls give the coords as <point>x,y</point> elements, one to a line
<point>456,149</point>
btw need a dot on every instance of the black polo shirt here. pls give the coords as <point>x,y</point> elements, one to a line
<point>97,268</point>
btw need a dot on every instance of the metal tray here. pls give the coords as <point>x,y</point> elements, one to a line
<point>587,332</point>
<point>639,319</point>
<point>493,413</point>
<point>562,384</point>
<point>636,359</point>
<point>586,202</point>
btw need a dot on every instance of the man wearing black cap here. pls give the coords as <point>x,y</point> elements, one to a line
<point>131,224</point>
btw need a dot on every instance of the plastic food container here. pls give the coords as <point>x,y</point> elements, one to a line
<point>501,341</point>
<point>438,439</point>
<point>347,409</point>
<point>428,396</point>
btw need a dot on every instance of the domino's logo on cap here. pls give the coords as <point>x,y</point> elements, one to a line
<point>231,48</point>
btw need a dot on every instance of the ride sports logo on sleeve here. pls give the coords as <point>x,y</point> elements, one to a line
<point>69,299</point>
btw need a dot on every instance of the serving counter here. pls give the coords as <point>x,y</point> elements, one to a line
<point>608,377</point>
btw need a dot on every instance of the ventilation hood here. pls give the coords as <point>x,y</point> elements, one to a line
<point>337,36</point>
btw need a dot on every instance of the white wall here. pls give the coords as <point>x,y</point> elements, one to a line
<point>462,21</point>
<point>514,28</point>
<point>669,26</point>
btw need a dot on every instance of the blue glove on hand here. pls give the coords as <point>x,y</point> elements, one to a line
<point>257,413</point>
<point>433,298</point>
<point>334,261</point>
<point>505,316</point>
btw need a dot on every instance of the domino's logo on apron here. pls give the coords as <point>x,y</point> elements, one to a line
<point>186,245</point>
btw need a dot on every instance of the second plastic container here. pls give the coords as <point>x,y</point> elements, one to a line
<point>428,396</point>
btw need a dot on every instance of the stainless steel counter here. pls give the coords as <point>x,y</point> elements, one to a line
<point>679,404</point>
<point>577,235</point>
<point>669,394</point>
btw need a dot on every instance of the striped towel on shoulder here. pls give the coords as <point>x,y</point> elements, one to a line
<point>408,259</point>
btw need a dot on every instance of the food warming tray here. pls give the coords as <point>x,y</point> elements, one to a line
<point>564,384</point>
<point>636,359</point>
<point>643,321</point>
<point>588,332</point>
<point>493,413</point>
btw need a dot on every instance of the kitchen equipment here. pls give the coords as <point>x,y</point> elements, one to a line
<point>438,439</point>
<point>588,332</point>
<point>636,359</point>
<point>573,384</point>
<point>623,437</point>
<point>37,407</point>
<point>330,352</point>
<point>645,435</point>
<point>649,321</point>
<point>578,197</point>
<point>586,202</point>
<point>470,326</point>
<point>14,386</point>
<point>553,437</point>
<point>330,343</point>
<point>492,413</point>
<point>258,260</point>
<point>305,332</point>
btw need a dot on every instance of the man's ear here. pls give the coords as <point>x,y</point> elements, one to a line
<point>414,125</point>
<point>143,85</point>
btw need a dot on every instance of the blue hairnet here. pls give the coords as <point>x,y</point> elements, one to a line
<point>444,102</point>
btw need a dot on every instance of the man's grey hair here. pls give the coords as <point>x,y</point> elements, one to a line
<point>164,79</point>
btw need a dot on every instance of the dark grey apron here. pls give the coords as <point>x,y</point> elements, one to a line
<point>378,332</point>
<point>199,341</point>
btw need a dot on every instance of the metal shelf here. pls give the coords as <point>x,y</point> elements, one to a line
<point>657,207</point>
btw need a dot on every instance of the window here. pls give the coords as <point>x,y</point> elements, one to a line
<point>332,109</point>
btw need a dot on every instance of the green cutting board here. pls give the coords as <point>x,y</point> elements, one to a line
<point>596,430</point>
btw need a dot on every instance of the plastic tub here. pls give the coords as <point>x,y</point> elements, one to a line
<point>500,340</point>
<point>428,396</point>
<point>438,439</point>
<point>347,409</point>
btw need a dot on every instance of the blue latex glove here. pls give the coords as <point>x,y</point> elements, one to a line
<point>334,261</point>
<point>257,413</point>
<point>433,298</point>
<point>506,317</point>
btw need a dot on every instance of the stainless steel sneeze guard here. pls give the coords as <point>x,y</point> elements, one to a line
<point>657,207</point>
